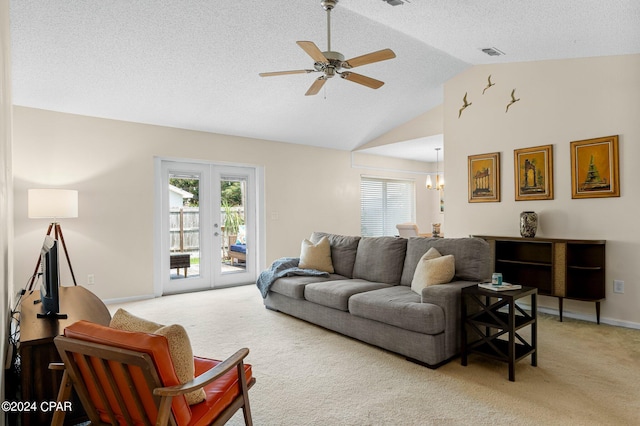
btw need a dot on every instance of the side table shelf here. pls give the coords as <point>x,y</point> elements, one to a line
<point>488,315</point>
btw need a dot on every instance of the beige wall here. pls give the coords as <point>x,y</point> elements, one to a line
<point>111,164</point>
<point>560,101</point>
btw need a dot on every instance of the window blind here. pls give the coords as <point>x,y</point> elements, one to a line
<point>383,204</point>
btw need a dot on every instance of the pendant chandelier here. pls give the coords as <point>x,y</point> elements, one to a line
<point>439,180</point>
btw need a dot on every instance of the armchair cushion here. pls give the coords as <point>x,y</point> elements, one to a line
<point>219,394</point>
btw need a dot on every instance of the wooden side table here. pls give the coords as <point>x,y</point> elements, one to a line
<point>37,349</point>
<point>488,315</point>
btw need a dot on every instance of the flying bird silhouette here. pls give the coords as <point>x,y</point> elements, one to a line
<point>466,104</point>
<point>513,100</point>
<point>489,84</point>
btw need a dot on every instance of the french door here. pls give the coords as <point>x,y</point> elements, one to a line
<point>206,229</point>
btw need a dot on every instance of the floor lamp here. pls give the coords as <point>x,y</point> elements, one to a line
<point>53,204</point>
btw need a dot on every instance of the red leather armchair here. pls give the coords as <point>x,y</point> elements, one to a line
<point>124,377</point>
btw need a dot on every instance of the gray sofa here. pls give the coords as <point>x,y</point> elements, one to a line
<point>369,296</point>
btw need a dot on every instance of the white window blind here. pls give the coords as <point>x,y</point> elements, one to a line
<point>383,204</point>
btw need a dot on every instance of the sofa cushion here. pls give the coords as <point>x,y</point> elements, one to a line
<point>343,251</point>
<point>336,294</point>
<point>400,307</point>
<point>380,259</point>
<point>432,269</point>
<point>316,255</point>
<point>294,286</point>
<point>472,257</point>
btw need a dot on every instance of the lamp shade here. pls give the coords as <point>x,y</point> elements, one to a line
<point>52,203</point>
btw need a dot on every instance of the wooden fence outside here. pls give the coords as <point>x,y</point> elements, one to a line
<point>184,228</point>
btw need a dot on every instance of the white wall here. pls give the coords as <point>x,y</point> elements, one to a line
<point>110,163</point>
<point>560,101</point>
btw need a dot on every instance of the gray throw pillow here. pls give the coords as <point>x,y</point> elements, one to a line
<point>343,251</point>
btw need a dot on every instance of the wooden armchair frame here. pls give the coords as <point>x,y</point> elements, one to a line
<point>117,365</point>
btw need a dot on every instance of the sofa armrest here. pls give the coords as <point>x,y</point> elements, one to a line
<point>448,296</point>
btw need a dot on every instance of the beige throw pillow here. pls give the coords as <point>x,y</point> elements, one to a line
<point>124,320</point>
<point>178,341</point>
<point>316,256</point>
<point>432,269</point>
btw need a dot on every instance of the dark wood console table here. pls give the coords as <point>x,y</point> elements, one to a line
<point>37,349</point>
<point>571,269</point>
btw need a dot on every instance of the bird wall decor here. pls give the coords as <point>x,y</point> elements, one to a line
<point>489,84</point>
<point>513,100</point>
<point>464,105</point>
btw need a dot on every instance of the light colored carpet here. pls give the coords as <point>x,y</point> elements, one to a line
<point>587,374</point>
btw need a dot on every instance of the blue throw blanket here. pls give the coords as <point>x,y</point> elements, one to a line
<point>284,267</point>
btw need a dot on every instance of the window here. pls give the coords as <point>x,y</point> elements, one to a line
<point>384,203</point>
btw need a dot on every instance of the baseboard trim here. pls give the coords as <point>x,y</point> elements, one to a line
<point>128,299</point>
<point>587,317</point>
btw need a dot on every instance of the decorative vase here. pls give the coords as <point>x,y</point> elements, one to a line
<point>528,224</point>
<point>435,227</point>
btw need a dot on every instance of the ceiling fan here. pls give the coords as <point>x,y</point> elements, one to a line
<point>330,63</point>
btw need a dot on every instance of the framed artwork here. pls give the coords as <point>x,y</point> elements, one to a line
<point>533,173</point>
<point>441,190</point>
<point>484,178</point>
<point>595,168</point>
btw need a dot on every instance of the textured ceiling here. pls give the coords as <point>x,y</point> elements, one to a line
<point>194,64</point>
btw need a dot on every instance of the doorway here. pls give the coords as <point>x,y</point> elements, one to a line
<point>206,226</point>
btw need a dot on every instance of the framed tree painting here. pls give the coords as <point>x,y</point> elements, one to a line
<point>484,178</point>
<point>534,173</point>
<point>595,168</point>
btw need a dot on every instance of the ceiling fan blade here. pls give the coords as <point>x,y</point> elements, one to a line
<point>312,50</point>
<point>369,58</point>
<point>271,74</point>
<point>362,79</point>
<point>316,86</point>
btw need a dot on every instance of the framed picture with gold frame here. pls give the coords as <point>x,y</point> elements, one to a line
<point>533,173</point>
<point>595,168</point>
<point>484,178</point>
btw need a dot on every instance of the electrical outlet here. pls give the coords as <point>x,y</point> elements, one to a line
<point>91,279</point>
<point>618,286</point>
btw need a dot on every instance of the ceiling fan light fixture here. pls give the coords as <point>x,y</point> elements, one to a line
<point>330,62</point>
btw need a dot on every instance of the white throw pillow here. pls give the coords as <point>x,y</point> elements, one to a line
<point>316,256</point>
<point>432,269</point>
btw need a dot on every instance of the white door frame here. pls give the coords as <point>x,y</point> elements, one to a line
<point>160,246</point>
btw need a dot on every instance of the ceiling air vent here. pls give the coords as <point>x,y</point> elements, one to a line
<point>492,51</point>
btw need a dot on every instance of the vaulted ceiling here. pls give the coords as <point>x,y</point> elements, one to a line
<point>194,64</point>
